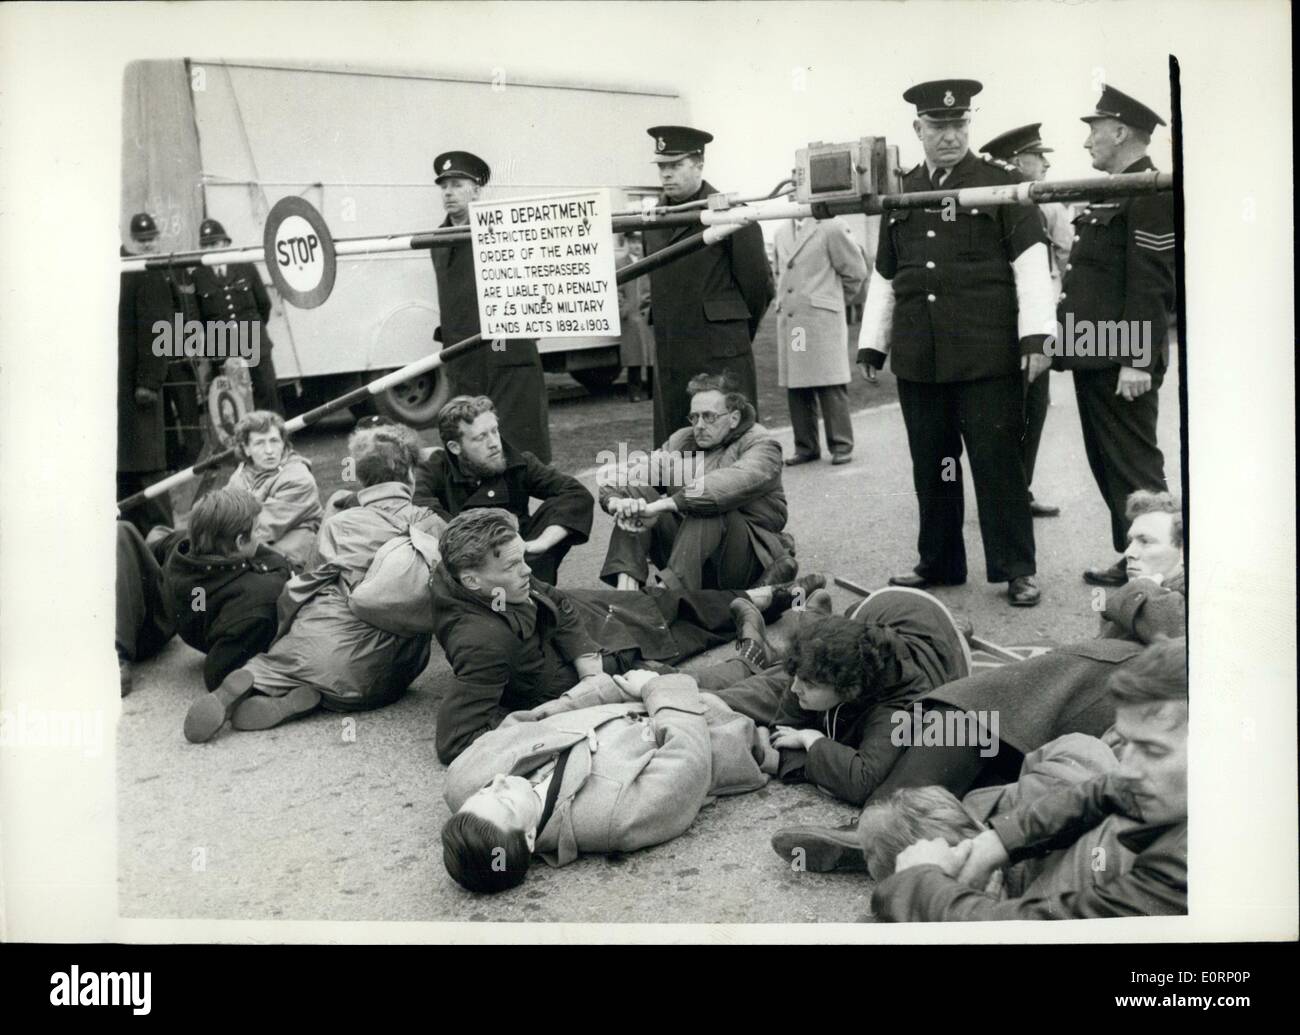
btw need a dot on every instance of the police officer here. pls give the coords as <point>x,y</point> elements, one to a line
<point>508,371</point>
<point>144,299</point>
<point>1023,147</point>
<point>962,301</point>
<point>705,307</point>
<point>1121,268</point>
<point>236,292</point>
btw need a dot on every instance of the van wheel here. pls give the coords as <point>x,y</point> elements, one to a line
<point>596,378</point>
<point>415,402</point>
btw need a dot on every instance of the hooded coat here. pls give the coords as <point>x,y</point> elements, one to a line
<point>291,511</point>
<point>321,643</point>
<point>237,619</point>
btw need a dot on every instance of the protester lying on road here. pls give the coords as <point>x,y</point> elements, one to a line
<point>325,654</point>
<point>913,814</point>
<point>477,468</point>
<point>282,481</point>
<point>514,642</point>
<point>707,507</point>
<point>834,698</point>
<point>1041,698</point>
<point>606,768</point>
<point>934,880</point>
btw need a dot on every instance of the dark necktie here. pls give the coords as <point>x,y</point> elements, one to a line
<point>937,178</point>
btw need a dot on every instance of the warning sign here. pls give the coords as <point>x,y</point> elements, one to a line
<point>545,266</point>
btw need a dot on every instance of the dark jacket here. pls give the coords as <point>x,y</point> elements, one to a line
<point>1121,268</point>
<point>1155,885</point>
<point>955,306</point>
<point>1064,690</point>
<point>240,295</point>
<point>858,750</point>
<point>144,298</point>
<point>444,486</point>
<point>495,671</point>
<point>234,618</point>
<point>708,305</point>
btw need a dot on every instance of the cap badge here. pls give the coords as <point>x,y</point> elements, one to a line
<point>446,164</point>
<point>660,144</point>
<point>949,100</point>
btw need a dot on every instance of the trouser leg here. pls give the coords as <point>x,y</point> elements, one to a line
<point>803,420</point>
<point>1037,399</point>
<point>992,416</point>
<point>835,415</point>
<point>266,389</point>
<point>156,511</point>
<point>629,553</point>
<point>934,438</point>
<point>1119,437</point>
<point>758,696</point>
<point>142,626</point>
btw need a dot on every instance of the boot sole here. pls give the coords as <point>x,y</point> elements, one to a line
<point>262,712</point>
<point>821,853</point>
<point>206,716</point>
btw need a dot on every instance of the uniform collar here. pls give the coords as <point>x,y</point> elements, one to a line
<point>1141,165</point>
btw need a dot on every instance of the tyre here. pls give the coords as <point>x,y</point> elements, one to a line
<point>415,402</point>
<point>596,378</point>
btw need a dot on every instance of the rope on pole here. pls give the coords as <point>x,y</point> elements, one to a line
<point>708,236</point>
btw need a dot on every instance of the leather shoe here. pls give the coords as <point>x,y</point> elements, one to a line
<point>801,458</point>
<point>1115,575</point>
<point>1043,510</point>
<point>842,458</point>
<point>915,580</point>
<point>821,849</point>
<point>209,713</point>
<point>1023,591</point>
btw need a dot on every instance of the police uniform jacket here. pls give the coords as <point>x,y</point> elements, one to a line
<point>239,295</point>
<point>453,269</point>
<point>955,301</point>
<point>708,305</point>
<point>1121,268</point>
<point>144,299</point>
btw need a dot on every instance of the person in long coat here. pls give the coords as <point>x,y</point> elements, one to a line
<point>705,307</point>
<point>325,654</point>
<point>144,298</point>
<point>509,372</point>
<point>607,769</point>
<point>820,270</point>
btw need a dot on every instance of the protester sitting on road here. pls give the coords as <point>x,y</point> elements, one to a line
<point>613,767</point>
<point>221,584</point>
<point>477,468</point>
<point>282,481</point>
<point>1044,697</point>
<point>833,701</point>
<point>707,507</point>
<point>325,654</point>
<point>514,642</point>
<point>934,880</point>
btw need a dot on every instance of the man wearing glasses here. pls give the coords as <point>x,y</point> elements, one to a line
<point>707,507</point>
<point>962,302</point>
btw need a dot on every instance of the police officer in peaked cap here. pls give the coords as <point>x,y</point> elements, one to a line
<point>1120,272</point>
<point>961,303</point>
<point>507,371</point>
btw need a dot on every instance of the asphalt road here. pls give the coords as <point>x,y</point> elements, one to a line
<point>338,818</point>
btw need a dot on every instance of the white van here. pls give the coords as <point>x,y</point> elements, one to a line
<point>228,139</point>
